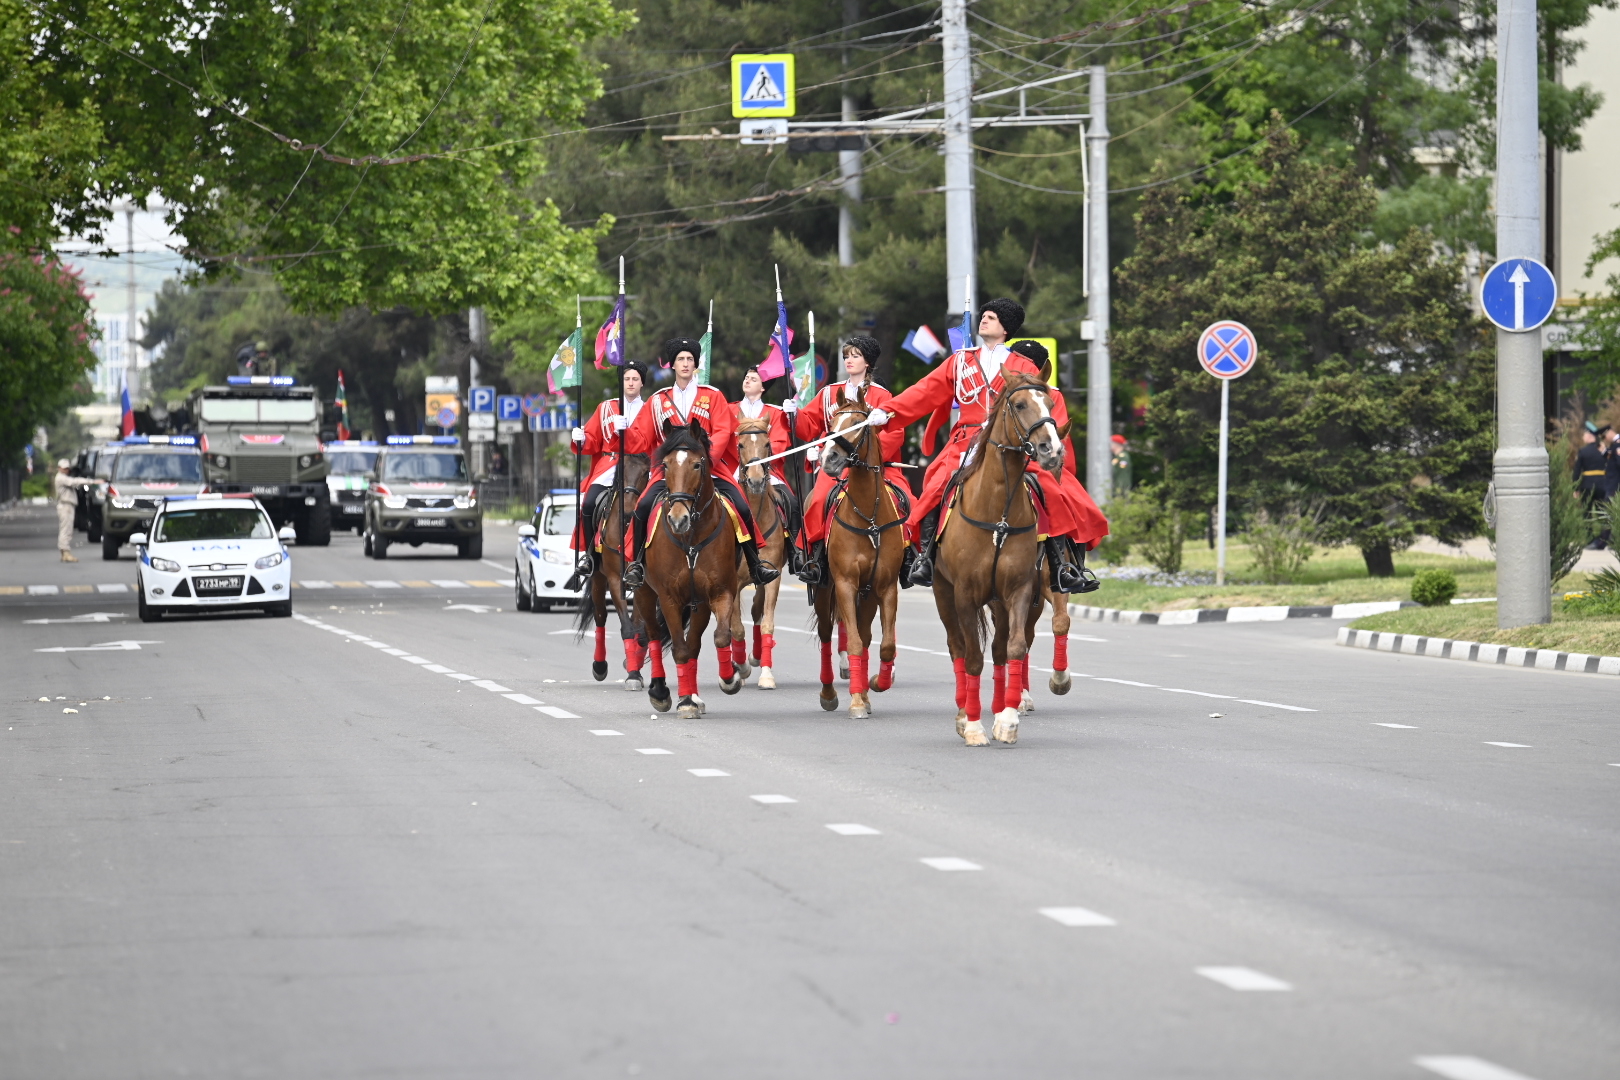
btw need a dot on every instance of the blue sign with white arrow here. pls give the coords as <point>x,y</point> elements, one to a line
<point>1518,294</point>
<point>481,399</point>
<point>509,407</point>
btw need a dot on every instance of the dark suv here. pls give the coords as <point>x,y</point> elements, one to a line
<point>421,491</point>
<point>145,471</point>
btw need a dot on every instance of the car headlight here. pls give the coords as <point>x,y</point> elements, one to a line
<point>465,502</point>
<point>220,461</point>
<point>168,566</point>
<point>551,555</point>
<point>273,559</point>
<point>394,502</point>
<point>306,461</point>
<point>123,502</point>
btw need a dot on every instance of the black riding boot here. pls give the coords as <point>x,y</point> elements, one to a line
<point>635,574</point>
<point>1088,580</point>
<point>583,568</point>
<point>812,566</point>
<point>922,571</point>
<point>1066,577</point>
<point>762,574</point>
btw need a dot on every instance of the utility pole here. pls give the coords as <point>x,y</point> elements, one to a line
<point>132,371</point>
<point>1100,381</point>
<point>475,336</point>
<point>961,241</point>
<point>1523,578</point>
<point>849,161</point>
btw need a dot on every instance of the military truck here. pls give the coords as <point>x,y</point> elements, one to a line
<point>261,435</point>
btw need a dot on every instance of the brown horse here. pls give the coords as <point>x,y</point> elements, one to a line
<point>753,444</point>
<point>691,561</point>
<point>607,579</point>
<point>866,545</point>
<point>1061,681</point>
<point>988,555</point>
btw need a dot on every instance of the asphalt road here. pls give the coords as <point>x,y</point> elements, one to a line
<point>291,848</point>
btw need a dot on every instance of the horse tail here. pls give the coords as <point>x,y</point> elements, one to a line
<point>587,612</point>
<point>982,626</point>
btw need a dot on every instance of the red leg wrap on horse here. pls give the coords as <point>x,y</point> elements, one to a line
<point>657,649</point>
<point>728,669</point>
<point>759,639</point>
<point>826,662</point>
<point>767,646</point>
<point>885,676</point>
<point>686,678</point>
<point>739,652</point>
<point>970,688</point>
<point>601,644</point>
<point>1060,652</point>
<point>1017,672</point>
<point>998,699</point>
<point>960,666</point>
<point>632,654</point>
<point>857,674</point>
<point>843,638</point>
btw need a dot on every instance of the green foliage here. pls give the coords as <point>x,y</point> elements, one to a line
<point>44,344</point>
<point>37,485</point>
<point>1372,391</point>
<point>1433,587</point>
<point>1140,520</point>
<point>1601,596</point>
<point>1600,325</point>
<point>1571,526</point>
<point>1281,542</point>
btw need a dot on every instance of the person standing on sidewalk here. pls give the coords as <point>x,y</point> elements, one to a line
<point>67,501</point>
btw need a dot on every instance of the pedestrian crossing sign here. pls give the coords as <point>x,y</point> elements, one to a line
<point>762,84</point>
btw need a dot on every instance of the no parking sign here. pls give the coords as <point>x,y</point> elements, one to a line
<point>1227,349</point>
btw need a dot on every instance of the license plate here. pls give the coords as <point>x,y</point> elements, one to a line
<point>267,489</point>
<point>429,523</point>
<point>216,585</point>
<point>353,508</point>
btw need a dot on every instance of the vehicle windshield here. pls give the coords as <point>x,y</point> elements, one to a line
<point>425,467</point>
<point>104,464</point>
<point>558,520</point>
<point>213,523</point>
<point>351,462</point>
<point>255,410</point>
<point>158,468</point>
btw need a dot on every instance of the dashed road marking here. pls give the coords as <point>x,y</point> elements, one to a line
<point>1242,978</point>
<point>415,659</point>
<point>522,699</point>
<point>458,676</point>
<point>492,685</point>
<point>1512,745</point>
<point>440,669</point>
<point>1200,693</point>
<point>773,800</point>
<point>384,584</point>
<point>854,830</point>
<point>1275,705</point>
<point>605,731</point>
<point>556,713</point>
<point>708,772</point>
<point>1462,1067</point>
<point>949,862</point>
<point>314,584</point>
<point>396,652</point>
<point>449,583</point>
<point>1076,916</point>
<point>653,750</point>
<point>1409,727</point>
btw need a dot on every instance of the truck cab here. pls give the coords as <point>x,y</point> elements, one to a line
<point>260,436</point>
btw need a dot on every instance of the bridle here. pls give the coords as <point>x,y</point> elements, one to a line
<point>1025,448</point>
<point>690,499</point>
<point>854,454</point>
<point>776,512</point>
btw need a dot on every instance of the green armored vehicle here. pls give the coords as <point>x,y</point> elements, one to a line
<point>261,435</point>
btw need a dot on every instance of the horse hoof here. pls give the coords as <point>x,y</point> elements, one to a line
<point>703,706</point>
<point>829,698</point>
<point>881,684</point>
<point>633,681</point>
<point>843,665</point>
<point>961,722</point>
<point>689,709</point>
<point>1026,704</point>
<point>1059,683</point>
<point>1006,727</point>
<point>767,680</point>
<point>733,686</point>
<point>753,661</point>
<point>658,694</point>
<point>598,670</point>
<point>973,733</point>
<point>859,708</point>
<point>743,671</point>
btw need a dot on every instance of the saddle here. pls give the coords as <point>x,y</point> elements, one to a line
<point>902,498</point>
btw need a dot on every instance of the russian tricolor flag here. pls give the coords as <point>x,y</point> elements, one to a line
<point>126,423</point>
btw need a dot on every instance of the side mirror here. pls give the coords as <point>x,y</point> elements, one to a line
<point>526,531</point>
<point>287,533</point>
<point>138,539</point>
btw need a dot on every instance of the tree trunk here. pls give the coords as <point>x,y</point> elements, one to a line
<point>1380,560</point>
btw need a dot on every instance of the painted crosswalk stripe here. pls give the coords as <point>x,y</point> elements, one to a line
<point>708,772</point>
<point>950,862</point>
<point>773,800</point>
<point>449,583</point>
<point>522,699</point>
<point>42,590</point>
<point>653,750</point>
<point>854,830</point>
<point>314,584</point>
<point>114,587</point>
<point>1076,916</point>
<point>1462,1067</point>
<point>384,584</point>
<point>556,713</point>
<point>1242,978</point>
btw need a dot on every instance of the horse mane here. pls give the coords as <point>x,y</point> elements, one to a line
<point>690,437</point>
<point>753,425</point>
<point>1012,379</point>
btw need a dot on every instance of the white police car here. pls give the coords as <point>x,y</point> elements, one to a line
<point>544,560</point>
<point>212,552</point>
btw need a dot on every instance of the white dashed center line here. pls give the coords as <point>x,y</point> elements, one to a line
<point>556,713</point>
<point>1076,916</point>
<point>1460,1067</point>
<point>772,800</point>
<point>605,731</point>
<point>653,750</point>
<point>1242,978</point>
<point>1409,727</point>
<point>708,772</point>
<point>416,660</point>
<point>522,699</point>
<point>490,684</point>
<point>854,830</point>
<point>950,862</point>
<point>1512,745</point>
<point>458,676</point>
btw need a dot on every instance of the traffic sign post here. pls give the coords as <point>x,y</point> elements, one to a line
<point>1518,295</point>
<point>1226,350</point>
<point>481,399</point>
<point>509,407</point>
<point>762,84</point>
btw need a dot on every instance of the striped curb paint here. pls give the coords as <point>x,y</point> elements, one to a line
<point>1505,655</point>
<point>1236,614</point>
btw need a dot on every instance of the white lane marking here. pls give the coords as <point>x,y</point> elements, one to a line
<point>314,584</point>
<point>496,565</point>
<point>476,609</point>
<point>854,830</point>
<point>653,750</point>
<point>1128,682</point>
<point>1076,916</point>
<point>1275,705</point>
<point>1512,745</point>
<point>415,660</point>
<point>1200,693</point>
<point>950,862</point>
<point>105,646</point>
<point>115,587</point>
<point>440,669</point>
<point>458,676</point>
<point>43,590</point>
<point>380,645</point>
<point>708,772</point>
<point>522,699</point>
<point>88,617</point>
<point>1463,1067</point>
<point>773,800</point>
<point>449,583</point>
<point>396,652</point>
<point>913,648</point>
<point>556,713</point>
<point>1410,727</point>
<point>1242,978</point>
<point>495,687</point>
<point>554,633</point>
<point>796,630</point>
<point>385,584</point>
<point>605,731</point>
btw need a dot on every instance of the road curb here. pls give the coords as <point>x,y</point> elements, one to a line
<point>1505,655</point>
<point>1236,614</point>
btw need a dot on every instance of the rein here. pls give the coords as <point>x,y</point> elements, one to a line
<point>1001,529</point>
<point>873,531</point>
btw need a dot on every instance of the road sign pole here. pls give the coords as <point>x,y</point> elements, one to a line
<point>1099,379</point>
<point>1523,577</point>
<point>1220,480</point>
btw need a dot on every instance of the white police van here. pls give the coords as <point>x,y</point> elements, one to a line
<point>544,559</point>
<point>215,551</point>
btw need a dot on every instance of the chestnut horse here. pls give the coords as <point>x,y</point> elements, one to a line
<point>691,560</point>
<point>753,444</point>
<point>607,579</point>
<point>1061,681</point>
<point>988,554</point>
<point>866,545</point>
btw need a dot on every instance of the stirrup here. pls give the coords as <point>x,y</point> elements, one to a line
<point>908,561</point>
<point>1070,578</point>
<point>764,573</point>
<point>634,575</point>
<point>1088,582</point>
<point>922,571</point>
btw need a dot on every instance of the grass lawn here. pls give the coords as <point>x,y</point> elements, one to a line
<point>1332,576</point>
<point>1568,632</point>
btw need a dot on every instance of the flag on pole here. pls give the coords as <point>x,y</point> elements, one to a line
<point>804,370</point>
<point>610,339</point>
<point>922,344</point>
<point>564,372</point>
<point>961,336</point>
<point>342,404</point>
<point>706,349</point>
<point>126,421</point>
<point>775,364</point>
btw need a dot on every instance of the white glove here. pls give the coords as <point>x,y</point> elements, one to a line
<point>790,406</point>
<point>813,454</point>
<point>877,418</point>
<point>578,434</point>
<point>620,423</point>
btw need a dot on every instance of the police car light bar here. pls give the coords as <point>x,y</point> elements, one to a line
<point>209,496</point>
<point>260,380</point>
<point>351,442</point>
<point>564,491</point>
<point>423,440</point>
<point>160,440</point>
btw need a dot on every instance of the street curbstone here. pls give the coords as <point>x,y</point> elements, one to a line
<point>1478,652</point>
<point>1190,616</point>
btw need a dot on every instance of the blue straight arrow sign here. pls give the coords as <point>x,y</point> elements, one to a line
<point>1518,295</point>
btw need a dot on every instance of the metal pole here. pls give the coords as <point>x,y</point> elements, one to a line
<point>1523,577</point>
<point>960,241</point>
<point>579,410</point>
<point>132,371</point>
<point>1220,481</point>
<point>849,162</point>
<point>475,338</point>
<point>1099,383</point>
